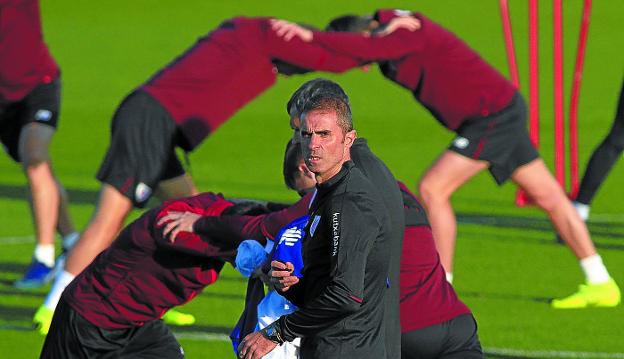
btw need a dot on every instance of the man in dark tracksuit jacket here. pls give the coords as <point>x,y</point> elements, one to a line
<point>384,181</point>
<point>340,294</point>
<point>345,251</point>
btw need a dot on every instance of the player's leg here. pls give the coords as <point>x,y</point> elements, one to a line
<point>449,172</point>
<point>175,184</point>
<point>143,138</point>
<point>462,341</point>
<point>542,187</point>
<point>602,161</point>
<point>38,117</point>
<point>152,340</point>
<point>44,200</point>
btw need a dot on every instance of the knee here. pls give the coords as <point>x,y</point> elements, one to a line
<point>33,158</point>
<point>430,192</point>
<point>549,201</point>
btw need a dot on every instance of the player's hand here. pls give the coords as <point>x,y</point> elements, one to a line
<point>287,30</point>
<point>404,22</point>
<point>176,222</point>
<point>264,277</point>
<point>281,275</point>
<point>255,346</point>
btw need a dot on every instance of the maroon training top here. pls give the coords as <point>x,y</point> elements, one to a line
<point>229,67</point>
<point>444,74</point>
<point>24,58</point>
<point>142,274</point>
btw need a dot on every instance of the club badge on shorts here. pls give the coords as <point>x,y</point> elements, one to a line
<point>461,142</point>
<point>142,192</point>
<point>43,115</point>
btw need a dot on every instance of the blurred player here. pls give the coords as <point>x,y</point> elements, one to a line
<point>601,161</point>
<point>179,107</point>
<point>112,308</point>
<point>30,97</point>
<point>469,97</point>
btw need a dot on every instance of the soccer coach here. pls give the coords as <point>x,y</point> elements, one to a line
<point>343,284</point>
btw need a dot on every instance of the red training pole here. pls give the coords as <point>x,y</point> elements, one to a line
<point>574,98</point>
<point>509,44</point>
<point>558,91</point>
<point>521,197</point>
<point>533,73</point>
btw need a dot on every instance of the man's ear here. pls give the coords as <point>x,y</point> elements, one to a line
<point>372,25</point>
<point>350,137</point>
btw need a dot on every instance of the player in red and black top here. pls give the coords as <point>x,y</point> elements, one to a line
<point>30,90</point>
<point>179,107</point>
<point>113,307</point>
<point>469,97</point>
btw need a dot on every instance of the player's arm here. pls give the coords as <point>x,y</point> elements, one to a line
<point>308,55</point>
<point>369,48</point>
<point>237,228</point>
<point>172,232</point>
<point>358,229</point>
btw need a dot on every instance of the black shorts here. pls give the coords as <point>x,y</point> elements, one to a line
<point>142,148</point>
<point>72,336</point>
<point>456,338</point>
<point>501,139</point>
<point>41,105</point>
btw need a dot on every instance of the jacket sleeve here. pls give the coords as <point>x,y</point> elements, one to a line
<point>237,228</point>
<point>400,43</point>
<point>207,204</point>
<point>308,55</point>
<point>353,229</point>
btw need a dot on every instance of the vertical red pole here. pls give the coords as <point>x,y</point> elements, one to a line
<point>574,98</point>
<point>509,44</point>
<point>533,73</point>
<point>558,91</point>
<point>521,197</point>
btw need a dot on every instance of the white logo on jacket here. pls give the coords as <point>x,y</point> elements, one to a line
<point>335,232</point>
<point>290,236</point>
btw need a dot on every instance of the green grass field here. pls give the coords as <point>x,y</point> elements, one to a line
<point>507,264</point>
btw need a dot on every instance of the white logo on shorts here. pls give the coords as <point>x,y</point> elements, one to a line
<point>315,223</point>
<point>43,115</point>
<point>142,192</point>
<point>461,142</point>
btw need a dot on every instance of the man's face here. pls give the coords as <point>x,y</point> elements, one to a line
<point>325,146</point>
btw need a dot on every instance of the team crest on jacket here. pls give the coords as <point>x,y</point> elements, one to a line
<point>142,192</point>
<point>315,223</point>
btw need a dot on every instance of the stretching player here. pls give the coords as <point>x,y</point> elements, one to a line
<point>469,97</point>
<point>601,161</point>
<point>30,90</point>
<point>179,107</point>
<point>112,308</point>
